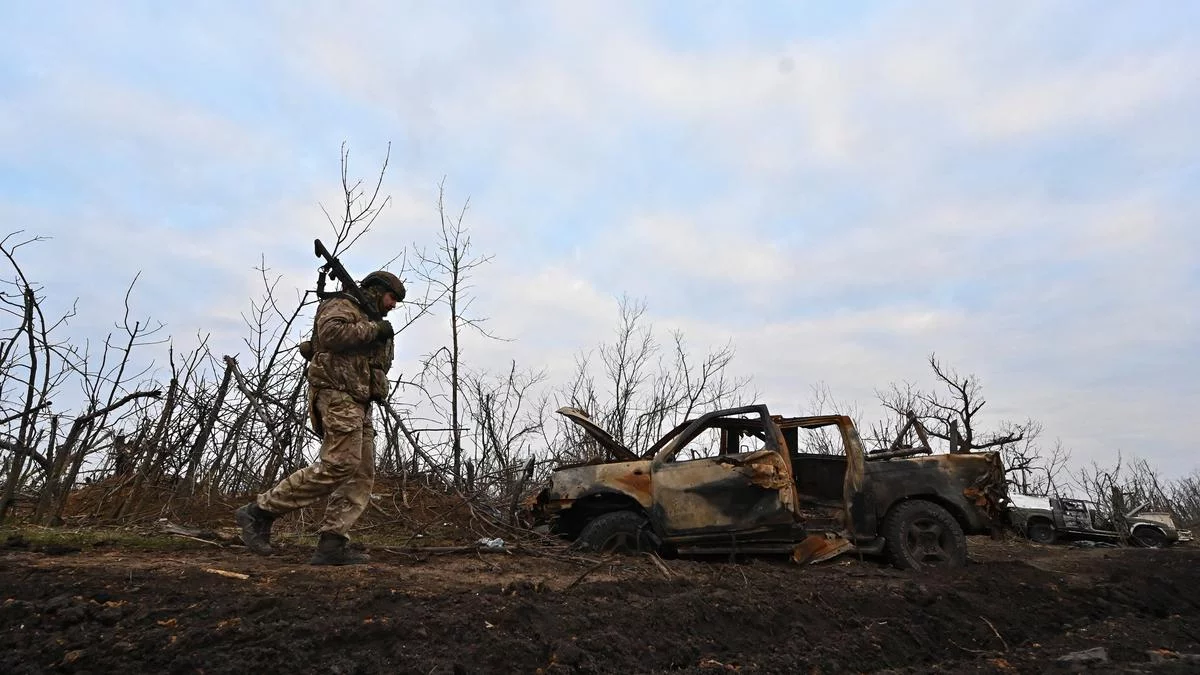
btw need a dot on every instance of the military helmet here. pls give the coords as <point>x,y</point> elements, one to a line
<point>387,281</point>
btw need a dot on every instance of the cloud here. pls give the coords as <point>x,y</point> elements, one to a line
<point>839,194</point>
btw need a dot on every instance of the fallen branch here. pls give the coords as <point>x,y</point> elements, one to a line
<point>969,650</point>
<point>226,573</point>
<point>194,534</point>
<point>586,572</point>
<point>989,623</point>
<point>204,541</point>
<point>662,566</point>
<point>443,550</point>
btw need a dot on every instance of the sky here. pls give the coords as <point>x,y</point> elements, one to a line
<point>837,189</point>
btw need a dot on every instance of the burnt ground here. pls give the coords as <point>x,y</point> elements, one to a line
<point>1018,607</point>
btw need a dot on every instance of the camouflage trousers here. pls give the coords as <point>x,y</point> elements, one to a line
<point>344,471</point>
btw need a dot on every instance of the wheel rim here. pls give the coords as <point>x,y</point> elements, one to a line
<point>1040,533</point>
<point>620,542</point>
<point>927,542</point>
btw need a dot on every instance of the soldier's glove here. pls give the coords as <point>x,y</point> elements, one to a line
<point>384,330</point>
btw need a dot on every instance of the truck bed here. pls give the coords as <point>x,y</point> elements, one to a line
<point>942,478</point>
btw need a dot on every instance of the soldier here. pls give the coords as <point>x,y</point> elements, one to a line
<point>349,357</point>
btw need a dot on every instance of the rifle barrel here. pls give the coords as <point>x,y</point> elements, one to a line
<point>349,285</point>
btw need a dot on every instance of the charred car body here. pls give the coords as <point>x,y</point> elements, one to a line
<point>1048,519</point>
<point>732,481</point>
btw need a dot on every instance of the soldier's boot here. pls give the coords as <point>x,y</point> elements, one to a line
<point>256,528</point>
<point>331,550</point>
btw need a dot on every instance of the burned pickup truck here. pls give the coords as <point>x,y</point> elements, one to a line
<point>733,481</point>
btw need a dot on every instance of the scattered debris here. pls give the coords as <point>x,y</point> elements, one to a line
<point>193,533</point>
<point>1168,656</point>
<point>820,547</point>
<point>1084,543</point>
<point>855,617</point>
<point>1086,657</point>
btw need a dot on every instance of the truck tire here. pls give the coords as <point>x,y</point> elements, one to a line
<point>922,535</point>
<point>1149,537</point>
<point>616,532</point>
<point>1041,532</point>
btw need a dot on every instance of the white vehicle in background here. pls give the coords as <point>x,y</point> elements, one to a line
<point>1049,519</point>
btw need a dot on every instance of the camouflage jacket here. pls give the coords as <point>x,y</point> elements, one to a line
<point>346,356</point>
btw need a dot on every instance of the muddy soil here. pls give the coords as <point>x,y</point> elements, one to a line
<point>1017,607</point>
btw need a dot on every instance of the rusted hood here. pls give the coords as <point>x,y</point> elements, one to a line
<point>606,441</point>
<point>628,478</point>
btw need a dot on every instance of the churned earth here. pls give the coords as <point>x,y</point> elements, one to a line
<point>104,607</point>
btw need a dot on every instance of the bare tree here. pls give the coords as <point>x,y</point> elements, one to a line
<point>1140,485</point>
<point>47,364</point>
<point>638,389</point>
<point>1034,469</point>
<point>826,440</point>
<point>448,270</point>
<point>898,399</point>
<point>952,415</point>
<point>1184,496</point>
<point>507,415</point>
<point>27,357</point>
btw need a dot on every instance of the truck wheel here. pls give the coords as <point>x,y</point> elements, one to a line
<point>1149,537</point>
<point>921,535</point>
<point>1041,532</point>
<point>616,532</point>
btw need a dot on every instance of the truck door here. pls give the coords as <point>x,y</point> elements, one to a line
<point>1075,515</point>
<point>703,482</point>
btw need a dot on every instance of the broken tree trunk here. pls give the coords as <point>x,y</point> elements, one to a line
<point>278,446</point>
<point>205,432</point>
<point>148,452</point>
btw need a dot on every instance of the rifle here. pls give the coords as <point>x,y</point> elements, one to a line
<point>349,286</point>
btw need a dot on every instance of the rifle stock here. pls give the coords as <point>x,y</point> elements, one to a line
<point>349,285</point>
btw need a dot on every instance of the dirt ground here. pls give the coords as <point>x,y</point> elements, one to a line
<point>105,607</point>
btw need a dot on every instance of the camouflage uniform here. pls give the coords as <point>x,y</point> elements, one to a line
<point>348,370</point>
